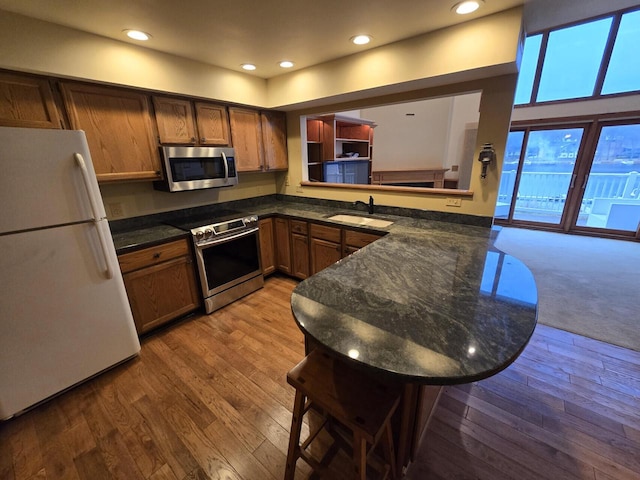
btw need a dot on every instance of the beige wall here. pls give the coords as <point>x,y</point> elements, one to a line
<point>140,198</point>
<point>40,47</point>
<point>476,49</point>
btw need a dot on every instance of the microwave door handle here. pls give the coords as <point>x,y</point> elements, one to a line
<point>226,166</point>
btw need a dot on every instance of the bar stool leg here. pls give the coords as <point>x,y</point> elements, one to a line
<point>359,456</point>
<point>388,450</point>
<point>294,438</point>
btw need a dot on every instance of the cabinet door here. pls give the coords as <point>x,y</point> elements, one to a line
<point>162,292</point>
<point>323,254</point>
<point>119,131</point>
<point>175,120</point>
<point>213,124</point>
<point>283,245</point>
<point>267,246</point>
<point>246,135</point>
<point>274,135</point>
<point>27,102</point>
<point>299,255</point>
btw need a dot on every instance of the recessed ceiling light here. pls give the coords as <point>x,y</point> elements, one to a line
<point>286,64</point>
<point>361,39</point>
<point>248,66</point>
<point>137,35</point>
<point>469,6</point>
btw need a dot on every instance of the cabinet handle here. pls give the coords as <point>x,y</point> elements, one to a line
<point>156,255</point>
<point>193,139</point>
<point>203,139</point>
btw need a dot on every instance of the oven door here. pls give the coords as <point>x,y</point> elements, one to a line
<point>225,263</point>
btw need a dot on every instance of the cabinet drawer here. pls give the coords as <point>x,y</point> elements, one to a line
<point>153,255</point>
<point>357,239</point>
<point>299,227</point>
<point>323,232</point>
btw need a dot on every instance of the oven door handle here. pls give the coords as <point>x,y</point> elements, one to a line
<point>226,166</point>
<point>244,233</point>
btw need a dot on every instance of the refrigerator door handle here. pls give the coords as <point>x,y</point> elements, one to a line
<point>96,217</point>
<point>87,183</point>
<point>108,273</point>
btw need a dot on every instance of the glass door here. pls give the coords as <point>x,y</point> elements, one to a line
<point>611,185</point>
<point>539,167</point>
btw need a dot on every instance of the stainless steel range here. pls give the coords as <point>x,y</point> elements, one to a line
<point>228,255</point>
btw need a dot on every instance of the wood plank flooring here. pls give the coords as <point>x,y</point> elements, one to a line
<point>208,398</point>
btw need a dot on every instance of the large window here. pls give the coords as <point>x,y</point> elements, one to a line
<point>582,61</point>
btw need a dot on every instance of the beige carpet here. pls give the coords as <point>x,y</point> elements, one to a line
<point>589,286</point>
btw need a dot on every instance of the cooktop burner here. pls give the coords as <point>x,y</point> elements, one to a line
<point>205,219</point>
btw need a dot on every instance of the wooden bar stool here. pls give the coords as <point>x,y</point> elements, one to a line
<point>350,400</point>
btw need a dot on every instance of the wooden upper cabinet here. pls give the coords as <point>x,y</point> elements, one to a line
<point>213,124</point>
<point>174,117</point>
<point>27,102</point>
<point>246,136</point>
<point>274,137</point>
<point>119,131</point>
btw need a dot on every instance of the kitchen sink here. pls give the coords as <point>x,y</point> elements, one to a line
<point>362,221</point>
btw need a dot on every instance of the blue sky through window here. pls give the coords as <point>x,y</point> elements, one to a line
<point>528,69</point>
<point>623,74</point>
<point>572,61</point>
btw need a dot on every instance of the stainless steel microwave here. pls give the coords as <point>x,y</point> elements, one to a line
<point>195,168</point>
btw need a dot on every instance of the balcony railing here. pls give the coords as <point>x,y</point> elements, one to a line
<point>546,192</point>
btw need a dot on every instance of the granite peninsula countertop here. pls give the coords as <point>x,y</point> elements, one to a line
<point>431,302</point>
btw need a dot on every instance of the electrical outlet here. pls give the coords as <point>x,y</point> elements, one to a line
<point>116,209</point>
<point>286,180</point>
<point>454,202</point>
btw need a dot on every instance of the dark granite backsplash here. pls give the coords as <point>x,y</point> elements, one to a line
<point>145,221</point>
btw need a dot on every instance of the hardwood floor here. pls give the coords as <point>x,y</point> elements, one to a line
<point>208,398</point>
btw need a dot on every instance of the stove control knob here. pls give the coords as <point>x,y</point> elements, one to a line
<point>208,233</point>
<point>250,220</point>
<point>199,235</point>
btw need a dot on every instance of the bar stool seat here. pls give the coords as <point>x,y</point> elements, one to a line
<point>348,399</point>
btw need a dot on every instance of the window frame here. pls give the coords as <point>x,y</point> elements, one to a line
<point>604,62</point>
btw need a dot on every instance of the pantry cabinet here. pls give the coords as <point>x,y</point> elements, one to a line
<point>161,283</point>
<point>119,130</point>
<point>27,101</point>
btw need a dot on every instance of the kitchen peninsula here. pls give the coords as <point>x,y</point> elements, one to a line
<point>431,303</point>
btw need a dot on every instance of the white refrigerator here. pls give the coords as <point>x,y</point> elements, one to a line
<point>64,313</point>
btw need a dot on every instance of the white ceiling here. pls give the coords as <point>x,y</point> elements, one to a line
<point>228,33</point>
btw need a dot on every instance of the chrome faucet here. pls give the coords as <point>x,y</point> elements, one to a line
<point>369,206</point>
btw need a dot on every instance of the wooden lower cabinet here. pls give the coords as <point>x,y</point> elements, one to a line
<point>283,245</point>
<point>354,240</point>
<point>303,248</point>
<point>299,249</point>
<point>267,246</point>
<point>325,246</point>
<point>160,283</point>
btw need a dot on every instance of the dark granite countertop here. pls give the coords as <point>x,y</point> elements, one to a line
<point>137,238</point>
<point>432,302</point>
